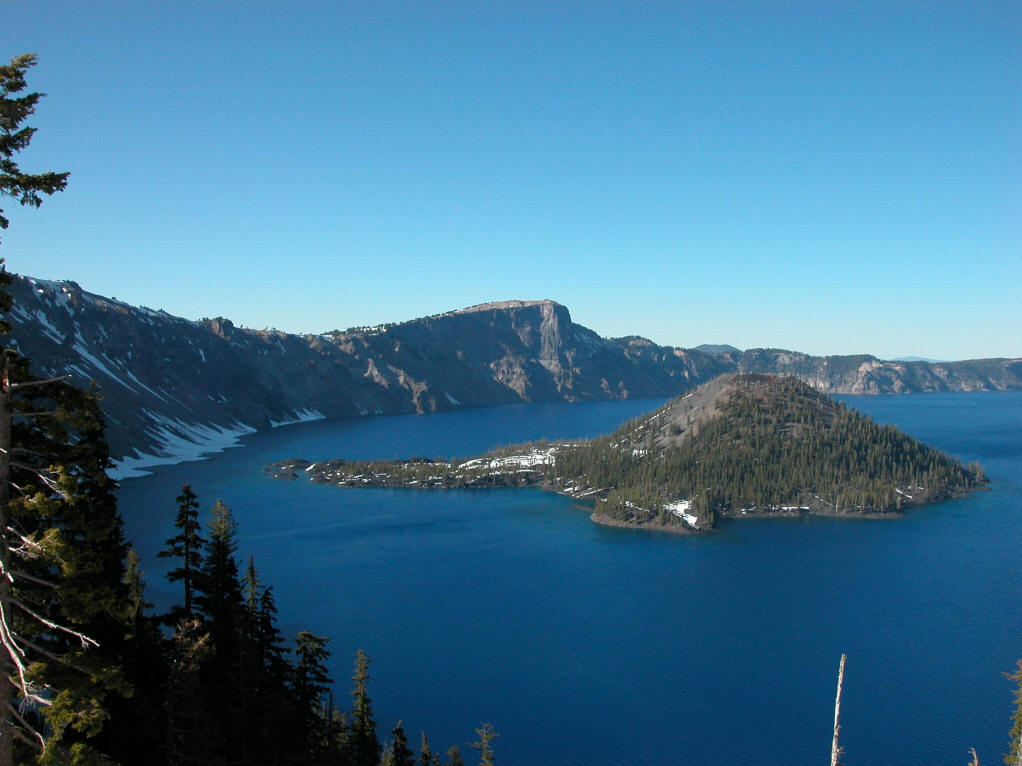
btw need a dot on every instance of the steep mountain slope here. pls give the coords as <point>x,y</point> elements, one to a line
<point>174,387</point>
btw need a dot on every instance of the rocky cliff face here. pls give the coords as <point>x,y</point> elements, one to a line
<point>173,387</point>
<point>864,374</point>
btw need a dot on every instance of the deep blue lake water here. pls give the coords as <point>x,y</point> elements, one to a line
<point>589,645</point>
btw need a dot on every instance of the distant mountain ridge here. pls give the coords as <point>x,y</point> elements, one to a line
<point>173,387</point>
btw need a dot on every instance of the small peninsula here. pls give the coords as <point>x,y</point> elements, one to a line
<point>741,445</point>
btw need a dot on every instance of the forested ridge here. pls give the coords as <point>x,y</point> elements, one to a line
<point>765,444</point>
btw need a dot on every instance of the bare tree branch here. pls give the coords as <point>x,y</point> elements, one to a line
<point>30,383</point>
<point>86,641</point>
<point>40,744</point>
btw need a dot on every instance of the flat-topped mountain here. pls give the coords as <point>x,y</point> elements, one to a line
<point>739,445</point>
<point>172,387</point>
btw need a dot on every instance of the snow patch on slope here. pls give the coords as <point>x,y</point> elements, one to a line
<point>95,362</point>
<point>49,330</point>
<point>300,416</point>
<point>179,442</point>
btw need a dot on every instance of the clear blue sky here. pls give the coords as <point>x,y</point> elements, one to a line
<point>832,177</point>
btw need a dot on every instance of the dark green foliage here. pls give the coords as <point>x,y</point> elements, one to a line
<point>219,601</point>
<point>454,756</point>
<point>311,686</point>
<point>190,732</point>
<point>266,670</point>
<point>484,472</point>
<point>186,545</point>
<point>67,604</point>
<point>139,720</point>
<point>1014,754</point>
<point>776,443</point>
<point>337,744</point>
<point>218,597</point>
<point>397,752</point>
<point>365,747</point>
<point>63,602</point>
<point>26,188</point>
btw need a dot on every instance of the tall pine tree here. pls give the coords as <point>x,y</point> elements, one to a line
<point>365,747</point>
<point>397,752</point>
<point>219,602</point>
<point>63,603</point>
<point>186,545</point>
<point>311,685</point>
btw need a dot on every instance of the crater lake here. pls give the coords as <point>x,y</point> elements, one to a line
<point>584,644</point>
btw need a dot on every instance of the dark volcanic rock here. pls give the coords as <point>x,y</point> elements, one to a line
<point>172,387</point>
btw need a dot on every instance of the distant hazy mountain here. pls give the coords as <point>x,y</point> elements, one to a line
<point>917,359</point>
<point>173,387</point>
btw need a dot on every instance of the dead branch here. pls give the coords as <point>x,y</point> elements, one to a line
<point>835,748</point>
<point>41,743</point>
<point>30,383</point>
<point>86,641</point>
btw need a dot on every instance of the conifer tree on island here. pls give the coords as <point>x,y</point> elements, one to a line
<point>63,603</point>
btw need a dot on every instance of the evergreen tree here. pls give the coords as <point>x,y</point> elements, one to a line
<point>63,605</point>
<point>365,747</point>
<point>337,741</point>
<point>454,756</point>
<point>486,736</point>
<point>219,601</point>
<point>311,685</point>
<point>26,188</point>
<point>64,602</point>
<point>426,756</point>
<point>271,710</point>
<point>190,734</point>
<point>186,545</point>
<point>217,593</point>
<point>137,723</point>
<point>1014,755</point>
<point>397,752</point>
<point>251,671</point>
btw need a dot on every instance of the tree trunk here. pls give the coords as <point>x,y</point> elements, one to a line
<point>6,687</point>
<point>835,748</point>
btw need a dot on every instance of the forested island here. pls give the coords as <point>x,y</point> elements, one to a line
<point>740,445</point>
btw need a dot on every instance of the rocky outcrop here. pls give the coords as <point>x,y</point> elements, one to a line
<point>864,374</point>
<point>173,387</point>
